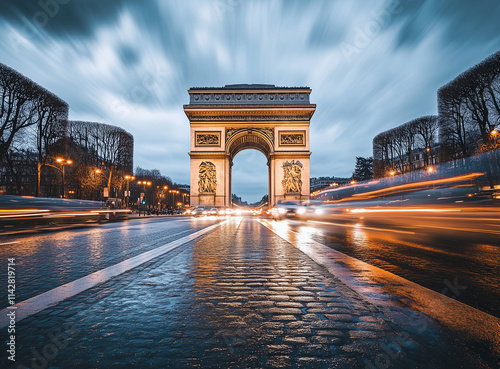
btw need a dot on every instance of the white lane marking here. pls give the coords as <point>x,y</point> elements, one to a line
<point>361,227</point>
<point>468,321</point>
<point>54,296</point>
<point>9,243</point>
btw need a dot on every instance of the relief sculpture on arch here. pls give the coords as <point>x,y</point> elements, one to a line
<point>207,182</point>
<point>292,176</point>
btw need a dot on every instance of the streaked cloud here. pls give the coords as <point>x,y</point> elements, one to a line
<point>130,63</point>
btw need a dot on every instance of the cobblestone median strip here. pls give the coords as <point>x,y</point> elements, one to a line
<point>470,322</point>
<point>54,296</point>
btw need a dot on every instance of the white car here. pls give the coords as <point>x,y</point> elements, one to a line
<point>199,211</point>
<point>288,210</point>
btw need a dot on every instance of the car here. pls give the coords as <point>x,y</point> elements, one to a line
<point>288,209</point>
<point>213,211</point>
<point>257,212</point>
<point>199,211</point>
<point>224,212</point>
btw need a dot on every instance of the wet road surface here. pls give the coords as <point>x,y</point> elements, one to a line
<point>447,254</point>
<point>239,297</point>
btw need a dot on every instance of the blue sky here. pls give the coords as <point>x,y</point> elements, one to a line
<point>372,65</point>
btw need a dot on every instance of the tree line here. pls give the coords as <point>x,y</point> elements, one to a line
<point>469,111</point>
<point>406,148</point>
<point>44,154</point>
<point>466,125</point>
<point>104,157</point>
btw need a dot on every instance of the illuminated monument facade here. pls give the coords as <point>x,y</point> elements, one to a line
<point>227,120</point>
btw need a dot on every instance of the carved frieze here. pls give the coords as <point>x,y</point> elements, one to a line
<point>249,116</point>
<point>292,177</point>
<point>207,138</point>
<point>207,178</point>
<point>220,98</point>
<point>294,138</point>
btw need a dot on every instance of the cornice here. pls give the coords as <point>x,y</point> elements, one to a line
<point>235,115</point>
<point>208,154</point>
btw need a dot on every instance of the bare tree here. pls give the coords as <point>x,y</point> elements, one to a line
<point>426,129</point>
<point>107,148</point>
<point>52,119</point>
<point>398,149</point>
<point>17,110</point>
<point>32,122</point>
<point>469,109</point>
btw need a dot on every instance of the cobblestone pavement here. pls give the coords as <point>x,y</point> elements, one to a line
<point>240,297</point>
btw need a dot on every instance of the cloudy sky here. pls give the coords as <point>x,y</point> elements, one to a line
<point>372,65</point>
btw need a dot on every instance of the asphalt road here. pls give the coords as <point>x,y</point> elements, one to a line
<point>217,293</point>
<point>48,260</point>
<point>455,252</point>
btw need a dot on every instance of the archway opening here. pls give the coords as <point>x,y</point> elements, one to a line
<point>250,176</point>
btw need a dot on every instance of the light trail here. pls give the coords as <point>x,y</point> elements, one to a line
<point>362,227</point>
<point>409,210</point>
<point>459,229</point>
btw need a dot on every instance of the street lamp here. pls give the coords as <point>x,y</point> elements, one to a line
<point>163,196</point>
<point>173,192</point>
<point>184,195</point>
<point>144,184</point>
<point>128,179</point>
<point>63,162</point>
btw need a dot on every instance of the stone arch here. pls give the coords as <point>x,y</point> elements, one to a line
<point>249,140</point>
<point>273,120</point>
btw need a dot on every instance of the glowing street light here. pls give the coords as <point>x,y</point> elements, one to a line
<point>184,195</point>
<point>128,179</point>
<point>63,162</point>
<point>173,192</point>
<point>144,184</point>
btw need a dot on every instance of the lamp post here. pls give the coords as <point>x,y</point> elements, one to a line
<point>165,188</point>
<point>63,162</point>
<point>494,137</point>
<point>144,184</point>
<point>99,172</point>
<point>128,179</point>
<point>173,192</point>
<point>184,195</point>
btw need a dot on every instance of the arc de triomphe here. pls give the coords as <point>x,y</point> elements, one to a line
<point>227,120</point>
